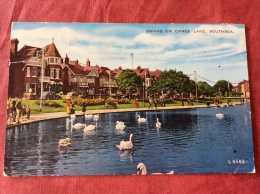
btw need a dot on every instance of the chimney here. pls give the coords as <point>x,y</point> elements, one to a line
<point>14,46</point>
<point>66,60</point>
<point>88,63</point>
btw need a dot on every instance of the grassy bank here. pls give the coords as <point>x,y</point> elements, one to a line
<point>36,108</point>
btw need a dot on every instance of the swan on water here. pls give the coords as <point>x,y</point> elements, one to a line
<point>78,125</point>
<point>65,142</point>
<point>219,115</point>
<point>96,117</point>
<point>120,125</point>
<point>140,120</point>
<point>89,128</point>
<point>126,145</point>
<point>158,123</point>
<point>88,116</point>
<point>142,168</point>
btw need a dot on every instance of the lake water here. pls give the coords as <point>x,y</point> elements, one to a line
<point>190,141</point>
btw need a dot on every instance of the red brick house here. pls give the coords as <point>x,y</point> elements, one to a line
<point>25,69</point>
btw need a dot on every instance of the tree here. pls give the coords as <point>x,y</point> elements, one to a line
<point>222,87</point>
<point>129,80</point>
<point>204,89</point>
<point>173,80</point>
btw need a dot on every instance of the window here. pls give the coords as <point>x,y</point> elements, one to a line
<point>34,72</point>
<point>51,60</point>
<point>57,76</point>
<point>52,74</point>
<point>32,87</point>
<point>90,80</point>
<point>28,72</point>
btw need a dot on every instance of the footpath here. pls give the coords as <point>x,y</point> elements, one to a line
<point>56,115</point>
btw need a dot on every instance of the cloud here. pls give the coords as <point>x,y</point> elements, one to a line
<point>111,44</point>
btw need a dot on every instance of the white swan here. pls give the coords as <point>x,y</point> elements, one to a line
<point>78,125</point>
<point>89,128</point>
<point>126,145</point>
<point>88,116</point>
<point>120,125</point>
<point>158,123</point>
<point>96,117</point>
<point>65,142</point>
<point>140,120</point>
<point>142,168</point>
<point>219,115</point>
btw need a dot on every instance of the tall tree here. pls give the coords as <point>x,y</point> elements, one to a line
<point>129,80</point>
<point>222,87</point>
<point>205,89</point>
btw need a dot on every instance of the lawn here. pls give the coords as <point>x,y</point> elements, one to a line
<point>36,108</point>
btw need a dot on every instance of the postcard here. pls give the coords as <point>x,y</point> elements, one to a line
<point>128,99</point>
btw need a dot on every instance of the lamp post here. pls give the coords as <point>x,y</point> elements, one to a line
<point>196,85</point>
<point>42,73</point>
<point>143,93</point>
<point>132,55</point>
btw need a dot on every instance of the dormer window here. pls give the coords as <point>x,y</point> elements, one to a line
<point>51,60</point>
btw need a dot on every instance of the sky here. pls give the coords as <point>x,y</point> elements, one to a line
<point>215,51</point>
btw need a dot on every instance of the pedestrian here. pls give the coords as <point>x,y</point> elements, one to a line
<point>150,102</point>
<point>72,110</point>
<point>28,112</point>
<point>14,108</point>
<point>68,107</point>
<point>23,112</point>
<point>155,103</point>
<point>18,107</point>
<point>136,103</point>
<point>84,107</point>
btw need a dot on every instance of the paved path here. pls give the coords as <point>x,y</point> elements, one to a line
<point>46,116</point>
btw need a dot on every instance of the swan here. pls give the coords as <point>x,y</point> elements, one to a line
<point>141,119</point>
<point>158,123</point>
<point>219,115</point>
<point>96,117</point>
<point>65,142</point>
<point>78,125</point>
<point>126,145</point>
<point>89,128</point>
<point>142,167</point>
<point>88,116</point>
<point>120,125</point>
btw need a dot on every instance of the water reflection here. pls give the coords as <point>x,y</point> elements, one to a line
<point>189,141</point>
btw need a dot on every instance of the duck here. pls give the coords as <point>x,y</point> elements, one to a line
<point>126,145</point>
<point>65,142</point>
<point>120,125</point>
<point>89,128</point>
<point>140,120</point>
<point>78,125</point>
<point>96,117</point>
<point>88,116</point>
<point>219,115</point>
<point>142,168</point>
<point>158,123</point>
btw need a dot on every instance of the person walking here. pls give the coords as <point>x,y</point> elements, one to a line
<point>68,107</point>
<point>18,107</point>
<point>28,112</point>
<point>14,108</point>
<point>23,112</point>
<point>155,103</point>
<point>84,107</point>
<point>136,103</point>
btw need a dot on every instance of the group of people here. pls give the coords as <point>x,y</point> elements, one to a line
<point>152,102</point>
<point>71,108</point>
<point>16,111</point>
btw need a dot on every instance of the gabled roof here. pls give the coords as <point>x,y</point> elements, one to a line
<point>140,71</point>
<point>155,74</point>
<point>52,51</point>
<point>27,51</point>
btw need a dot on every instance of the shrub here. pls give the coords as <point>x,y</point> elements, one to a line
<point>48,103</point>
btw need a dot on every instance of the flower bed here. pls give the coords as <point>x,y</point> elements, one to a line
<point>88,102</point>
<point>48,103</point>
